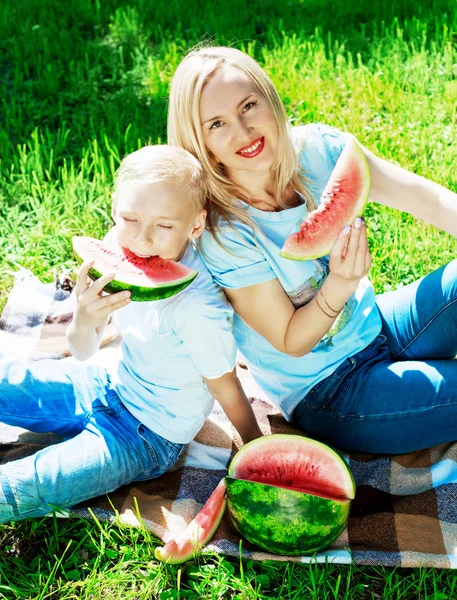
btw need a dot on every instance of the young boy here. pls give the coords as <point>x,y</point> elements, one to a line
<point>178,354</point>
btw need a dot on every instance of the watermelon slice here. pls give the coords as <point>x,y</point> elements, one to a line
<point>199,531</point>
<point>289,494</point>
<point>150,278</point>
<point>343,199</point>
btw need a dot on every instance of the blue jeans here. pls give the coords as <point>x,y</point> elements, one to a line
<point>104,445</point>
<point>400,393</point>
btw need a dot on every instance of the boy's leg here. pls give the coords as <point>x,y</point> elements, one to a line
<point>113,449</point>
<point>49,395</point>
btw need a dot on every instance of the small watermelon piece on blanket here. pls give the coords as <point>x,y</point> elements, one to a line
<point>147,278</point>
<point>199,531</point>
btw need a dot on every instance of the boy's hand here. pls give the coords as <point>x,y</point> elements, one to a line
<point>93,307</point>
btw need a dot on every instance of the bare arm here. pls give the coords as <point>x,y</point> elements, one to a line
<point>268,310</point>
<point>84,334</point>
<point>399,188</point>
<point>227,390</point>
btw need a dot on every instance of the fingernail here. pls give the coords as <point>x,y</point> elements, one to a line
<point>357,223</point>
<point>346,230</point>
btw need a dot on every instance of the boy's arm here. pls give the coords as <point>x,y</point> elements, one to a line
<point>93,309</point>
<point>227,390</point>
<point>84,341</point>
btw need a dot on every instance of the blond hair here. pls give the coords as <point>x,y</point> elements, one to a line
<point>184,130</point>
<point>164,163</point>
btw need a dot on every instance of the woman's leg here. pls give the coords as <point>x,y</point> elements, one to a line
<point>420,319</point>
<point>400,393</point>
<point>113,449</point>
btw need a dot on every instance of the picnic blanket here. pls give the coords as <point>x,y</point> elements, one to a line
<point>404,512</point>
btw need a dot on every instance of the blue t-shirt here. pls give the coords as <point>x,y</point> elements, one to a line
<point>251,258</point>
<point>168,346</point>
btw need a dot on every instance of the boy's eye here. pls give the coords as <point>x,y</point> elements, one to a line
<point>216,125</point>
<point>165,226</point>
<point>129,220</point>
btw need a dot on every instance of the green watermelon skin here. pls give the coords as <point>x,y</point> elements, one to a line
<point>284,521</point>
<point>140,293</point>
<point>146,279</point>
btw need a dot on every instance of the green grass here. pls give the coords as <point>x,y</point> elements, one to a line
<point>83,83</point>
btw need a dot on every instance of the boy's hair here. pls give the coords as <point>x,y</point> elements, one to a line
<point>164,163</point>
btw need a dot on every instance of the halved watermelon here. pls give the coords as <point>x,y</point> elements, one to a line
<point>289,494</point>
<point>343,199</point>
<point>150,278</point>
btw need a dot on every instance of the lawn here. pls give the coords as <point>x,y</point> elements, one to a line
<point>82,83</point>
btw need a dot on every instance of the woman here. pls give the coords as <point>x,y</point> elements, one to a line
<point>360,372</point>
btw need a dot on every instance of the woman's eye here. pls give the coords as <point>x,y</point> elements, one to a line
<point>129,220</point>
<point>249,105</point>
<point>216,125</point>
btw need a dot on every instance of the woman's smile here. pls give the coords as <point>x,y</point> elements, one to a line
<point>253,149</point>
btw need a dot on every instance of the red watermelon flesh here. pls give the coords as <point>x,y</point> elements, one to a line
<point>147,278</point>
<point>199,531</point>
<point>343,199</point>
<point>297,463</point>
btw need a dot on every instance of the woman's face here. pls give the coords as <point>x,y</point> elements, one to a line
<point>238,124</point>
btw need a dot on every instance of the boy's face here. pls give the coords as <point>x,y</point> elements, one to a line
<point>156,219</point>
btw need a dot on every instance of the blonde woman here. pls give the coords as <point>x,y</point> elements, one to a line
<point>361,372</point>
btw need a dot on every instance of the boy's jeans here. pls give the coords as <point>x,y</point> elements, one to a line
<point>105,445</point>
<point>400,393</point>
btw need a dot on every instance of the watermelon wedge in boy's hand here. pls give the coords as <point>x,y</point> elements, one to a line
<point>343,199</point>
<point>150,278</point>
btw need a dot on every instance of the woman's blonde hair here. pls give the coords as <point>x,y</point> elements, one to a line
<point>164,163</point>
<point>184,130</point>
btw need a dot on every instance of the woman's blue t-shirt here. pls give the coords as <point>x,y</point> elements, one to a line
<point>252,257</point>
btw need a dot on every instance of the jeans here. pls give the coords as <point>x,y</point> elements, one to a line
<point>104,445</point>
<point>400,393</point>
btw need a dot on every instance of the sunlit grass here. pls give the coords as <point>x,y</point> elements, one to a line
<point>82,84</point>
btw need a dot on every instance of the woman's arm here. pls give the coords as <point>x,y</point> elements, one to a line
<point>268,310</point>
<point>398,188</point>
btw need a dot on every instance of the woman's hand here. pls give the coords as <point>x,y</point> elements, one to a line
<point>93,307</point>
<point>350,258</point>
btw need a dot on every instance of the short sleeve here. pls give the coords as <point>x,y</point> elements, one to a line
<point>239,262</point>
<point>319,147</point>
<point>205,327</point>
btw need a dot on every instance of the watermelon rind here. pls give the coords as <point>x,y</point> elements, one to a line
<point>139,293</point>
<point>296,446</point>
<point>198,533</point>
<point>320,229</point>
<point>285,521</point>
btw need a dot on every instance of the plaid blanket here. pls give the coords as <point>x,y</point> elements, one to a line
<point>404,512</point>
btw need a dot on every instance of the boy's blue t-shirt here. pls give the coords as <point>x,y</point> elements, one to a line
<point>168,346</point>
<point>251,258</point>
